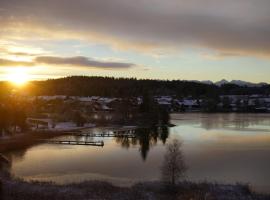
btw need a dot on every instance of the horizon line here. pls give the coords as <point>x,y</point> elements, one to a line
<point>153,79</point>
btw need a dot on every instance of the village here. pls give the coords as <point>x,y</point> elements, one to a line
<point>54,112</point>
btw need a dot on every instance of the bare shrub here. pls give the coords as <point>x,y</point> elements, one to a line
<point>173,167</point>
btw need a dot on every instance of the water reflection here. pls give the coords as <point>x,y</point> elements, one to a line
<point>234,121</point>
<point>142,138</point>
<point>217,147</point>
<point>226,147</point>
<point>145,138</point>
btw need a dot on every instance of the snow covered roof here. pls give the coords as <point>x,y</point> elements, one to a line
<point>104,107</point>
<point>106,99</point>
<point>51,97</point>
<point>86,99</point>
<point>160,102</point>
<point>189,102</point>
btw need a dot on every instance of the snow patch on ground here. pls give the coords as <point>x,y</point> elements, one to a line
<point>68,126</point>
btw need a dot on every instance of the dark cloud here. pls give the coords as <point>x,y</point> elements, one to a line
<point>11,63</point>
<point>82,61</point>
<point>79,61</point>
<point>229,26</point>
<point>22,54</point>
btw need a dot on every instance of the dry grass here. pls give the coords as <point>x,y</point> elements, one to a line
<point>19,190</point>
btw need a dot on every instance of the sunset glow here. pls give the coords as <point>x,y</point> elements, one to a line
<point>18,76</point>
<point>176,40</point>
<point>124,99</point>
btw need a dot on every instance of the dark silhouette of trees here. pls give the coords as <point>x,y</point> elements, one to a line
<point>210,105</point>
<point>173,167</point>
<point>226,103</point>
<point>12,116</point>
<point>163,133</point>
<point>164,116</point>
<point>152,113</point>
<point>130,87</point>
<point>145,138</point>
<point>148,103</point>
<point>79,119</point>
<point>19,119</point>
<point>3,120</point>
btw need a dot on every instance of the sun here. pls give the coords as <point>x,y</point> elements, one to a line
<point>18,76</point>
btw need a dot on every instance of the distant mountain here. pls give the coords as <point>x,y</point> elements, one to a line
<point>207,82</point>
<point>222,82</point>
<point>235,82</point>
<point>245,83</point>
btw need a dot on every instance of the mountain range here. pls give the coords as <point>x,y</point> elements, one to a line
<point>235,82</point>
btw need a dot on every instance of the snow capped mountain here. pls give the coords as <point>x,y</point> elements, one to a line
<point>207,82</point>
<point>222,82</point>
<point>239,82</point>
<point>235,82</point>
<point>244,83</point>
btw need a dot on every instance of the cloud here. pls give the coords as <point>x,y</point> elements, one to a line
<point>237,27</point>
<point>82,62</point>
<point>12,63</point>
<point>22,54</point>
<point>78,61</point>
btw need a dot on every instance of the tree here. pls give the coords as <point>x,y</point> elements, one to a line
<point>148,103</point>
<point>78,119</point>
<point>173,167</point>
<point>164,116</point>
<point>210,105</point>
<point>3,120</point>
<point>21,119</point>
<point>226,103</point>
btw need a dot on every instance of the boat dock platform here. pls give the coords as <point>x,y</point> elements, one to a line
<point>74,142</point>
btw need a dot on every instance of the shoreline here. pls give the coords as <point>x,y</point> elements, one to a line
<point>24,140</point>
<point>27,139</point>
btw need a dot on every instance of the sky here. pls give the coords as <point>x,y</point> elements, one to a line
<point>156,39</point>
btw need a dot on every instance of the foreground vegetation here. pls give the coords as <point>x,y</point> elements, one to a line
<point>19,190</point>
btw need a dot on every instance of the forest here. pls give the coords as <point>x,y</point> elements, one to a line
<point>130,87</point>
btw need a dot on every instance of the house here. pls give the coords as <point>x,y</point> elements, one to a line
<point>37,123</point>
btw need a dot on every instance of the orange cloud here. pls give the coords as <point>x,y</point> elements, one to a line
<point>125,24</point>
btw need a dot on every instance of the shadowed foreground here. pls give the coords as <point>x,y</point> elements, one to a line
<point>20,190</point>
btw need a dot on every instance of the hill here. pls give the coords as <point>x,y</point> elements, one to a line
<point>126,87</point>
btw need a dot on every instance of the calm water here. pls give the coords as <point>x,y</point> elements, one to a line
<point>226,148</point>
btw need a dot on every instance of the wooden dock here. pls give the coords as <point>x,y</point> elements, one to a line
<point>124,131</point>
<point>105,135</point>
<point>73,142</point>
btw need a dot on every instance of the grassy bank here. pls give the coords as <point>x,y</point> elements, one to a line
<point>12,189</point>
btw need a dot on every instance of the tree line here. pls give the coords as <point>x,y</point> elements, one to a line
<point>12,116</point>
<point>127,87</point>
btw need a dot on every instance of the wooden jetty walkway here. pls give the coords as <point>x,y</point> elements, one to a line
<point>74,142</point>
<point>125,131</point>
<point>105,135</point>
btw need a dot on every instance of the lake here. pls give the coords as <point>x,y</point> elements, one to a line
<point>226,148</point>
